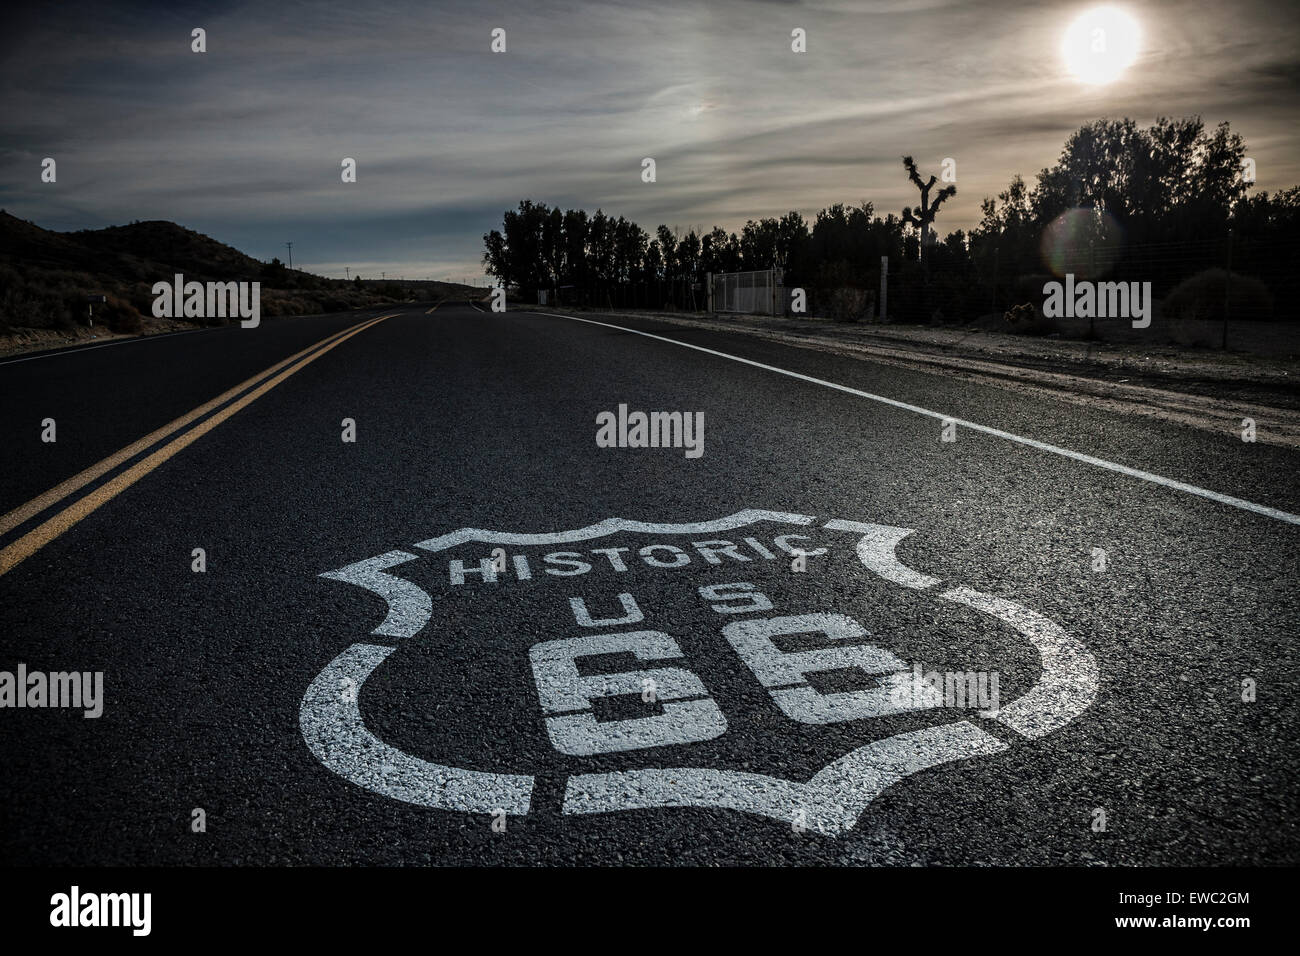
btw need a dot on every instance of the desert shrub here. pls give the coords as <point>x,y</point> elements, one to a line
<point>1201,297</point>
<point>31,307</point>
<point>141,297</point>
<point>278,303</point>
<point>847,304</point>
<point>120,315</point>
<point>836,293</point>
<point>1027,320</point>
<point>830,277</point>
<point>274,273</point>
<point>10,282</point>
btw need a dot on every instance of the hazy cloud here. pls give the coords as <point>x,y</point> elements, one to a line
<point>244,142</point>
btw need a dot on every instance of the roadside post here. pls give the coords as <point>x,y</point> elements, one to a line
<point>90,307</point>
<point>884,286</point>
<point>1227,287</point>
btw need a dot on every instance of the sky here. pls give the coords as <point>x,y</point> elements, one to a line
<point>245,141</point>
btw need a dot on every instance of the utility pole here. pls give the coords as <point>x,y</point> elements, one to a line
<point>1227,287</point>
<point>290,245</point>
<point>993,291</point>
<point>1092,276</point>
<point>884,288</point>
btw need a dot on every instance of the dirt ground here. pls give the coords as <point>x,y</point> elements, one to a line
<point>20,341</point>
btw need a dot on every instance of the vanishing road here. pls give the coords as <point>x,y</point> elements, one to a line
<point>365,588</point>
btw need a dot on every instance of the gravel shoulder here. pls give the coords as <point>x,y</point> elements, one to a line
<point>22,341</point>
<point>1205,389</point>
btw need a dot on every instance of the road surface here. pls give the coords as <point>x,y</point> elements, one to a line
<point>642,654</point>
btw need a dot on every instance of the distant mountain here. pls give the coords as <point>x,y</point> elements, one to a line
<point>45,276</point>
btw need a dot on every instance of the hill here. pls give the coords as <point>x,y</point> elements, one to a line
<point>45,276</point>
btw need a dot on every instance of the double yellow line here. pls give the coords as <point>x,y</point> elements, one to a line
<point>51,528</point>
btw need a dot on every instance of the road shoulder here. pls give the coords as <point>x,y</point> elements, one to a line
<point>1209,391</point>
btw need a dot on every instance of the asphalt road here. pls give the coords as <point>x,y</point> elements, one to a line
<point>395,712</point>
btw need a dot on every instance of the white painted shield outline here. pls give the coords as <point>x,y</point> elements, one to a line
<point>831,801</point>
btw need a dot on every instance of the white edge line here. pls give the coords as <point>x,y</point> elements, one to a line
<point>973,426</point>
<point>78,349</point>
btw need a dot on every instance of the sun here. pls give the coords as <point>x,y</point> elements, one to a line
<point>1101,44</point>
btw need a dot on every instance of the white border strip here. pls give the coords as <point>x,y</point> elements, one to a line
<point>607,527</point>
<point>331,724</point>
<point>832,801</point>
<point>1068,683</point>
<point>973,426</point>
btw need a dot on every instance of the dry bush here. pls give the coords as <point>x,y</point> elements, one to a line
<point>1027,320</point>
<point>1202,297</point>
<point>121,316</point>
<point>847,304</point>
<point>32,305</point>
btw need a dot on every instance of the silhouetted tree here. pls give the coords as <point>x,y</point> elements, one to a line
<point>1164,186</point>
<point>925,213</point>
<point>274,273</point>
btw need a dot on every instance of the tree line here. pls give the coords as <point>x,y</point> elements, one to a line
<point>1155,203</point>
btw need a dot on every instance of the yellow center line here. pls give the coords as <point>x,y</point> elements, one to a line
<point>50,529</point>
<point>60,491</point>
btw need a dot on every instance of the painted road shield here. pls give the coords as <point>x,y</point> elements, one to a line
<point>771,663</point>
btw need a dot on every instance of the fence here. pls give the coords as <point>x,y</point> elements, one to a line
<point>680,294</point>
<point>753,292</point>
<point>1193,304</point>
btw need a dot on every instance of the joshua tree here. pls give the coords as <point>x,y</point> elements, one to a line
<point>926,212</point>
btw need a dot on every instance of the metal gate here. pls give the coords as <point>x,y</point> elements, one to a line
<point>755,292</point>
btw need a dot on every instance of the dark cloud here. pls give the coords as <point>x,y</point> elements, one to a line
<point>245,142</point>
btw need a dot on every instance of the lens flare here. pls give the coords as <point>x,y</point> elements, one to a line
<point>1085,242</point>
